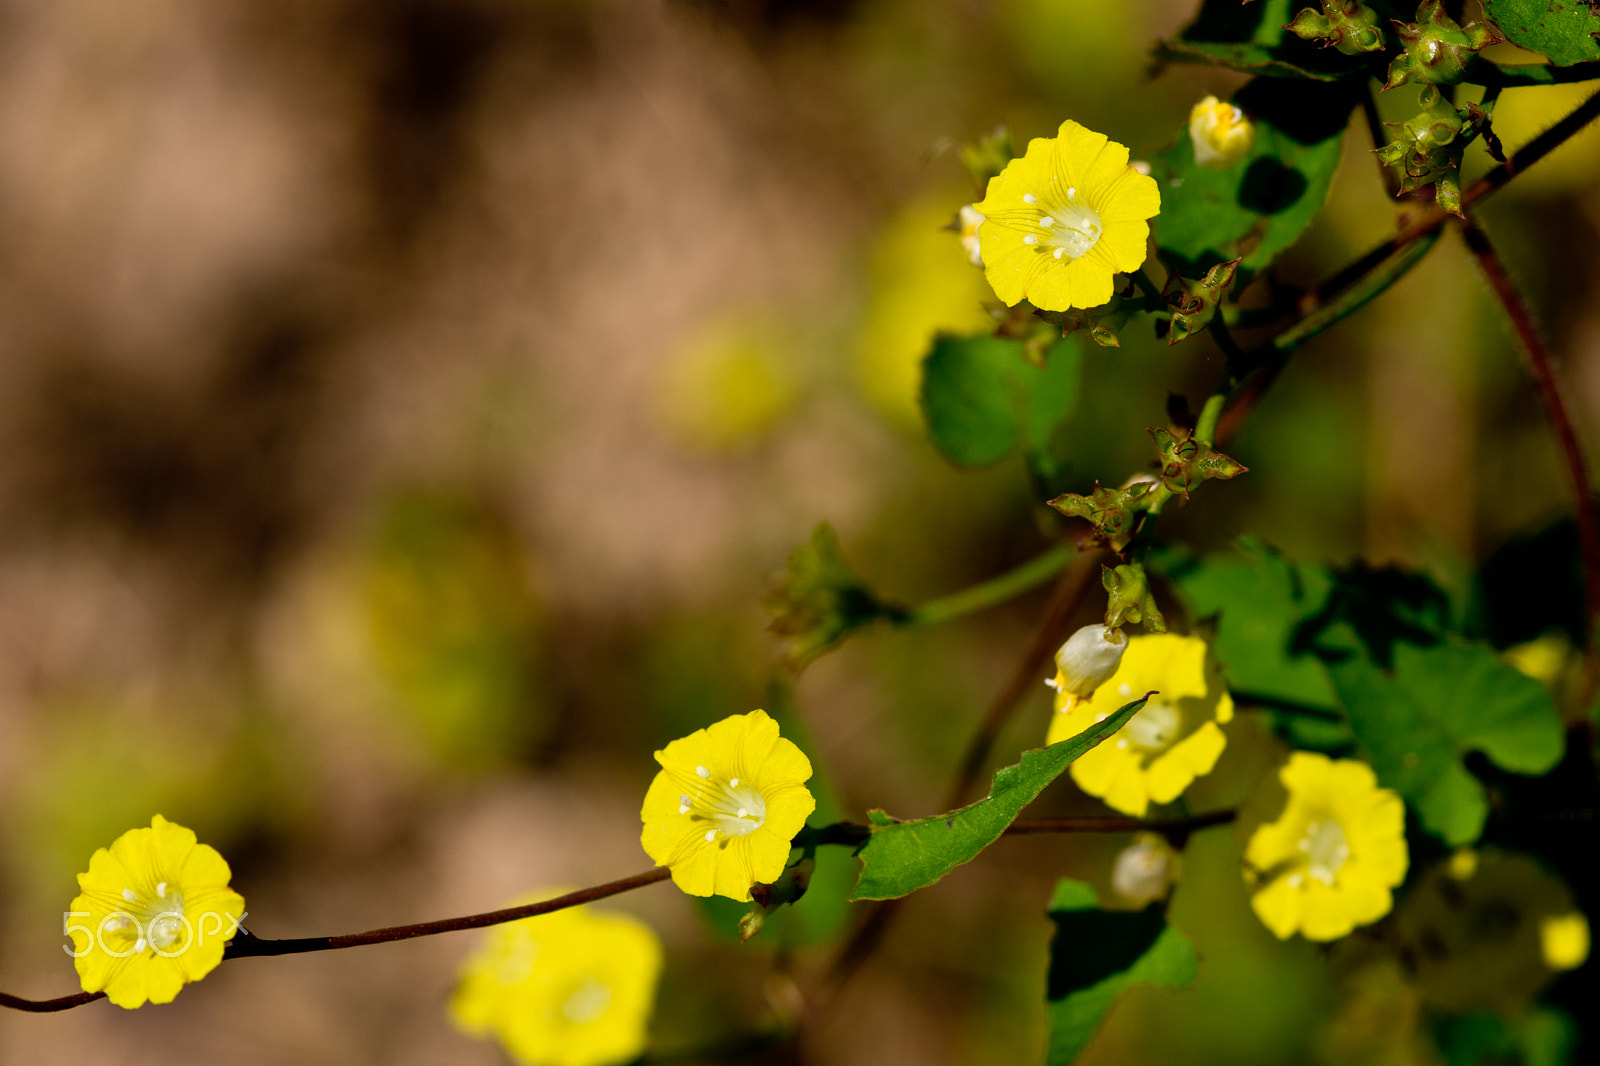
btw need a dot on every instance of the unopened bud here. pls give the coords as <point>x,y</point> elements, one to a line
<point>1145,869</point>
<point>1221,134</point>
<point>1088,659</point>
<point>971,219</point>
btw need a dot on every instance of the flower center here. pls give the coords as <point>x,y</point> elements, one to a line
<point>1068,226</point>
<point>733,808</point>
<point>1154,727</point>
<point>587,1002</point>
<point>158,920</point>
<point>1325,848</point>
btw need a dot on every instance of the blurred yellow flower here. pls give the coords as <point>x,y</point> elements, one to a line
<point>727,803</point>
<point>1329,862</point>
<point>1172,740</point>
<point>570,988</point>
<point>1063,218</point>
<point>1564,940</point>
<point>1220,133</point>
<point>154,913</point>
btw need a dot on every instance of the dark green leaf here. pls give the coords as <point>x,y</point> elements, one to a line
<point>1437,703</point>
<point>1095,955</point>
<point>983,400</point>
<point>901,857</point>
<point>1262,204</point>
<point>1257,599</point>
<point>1564,30</point>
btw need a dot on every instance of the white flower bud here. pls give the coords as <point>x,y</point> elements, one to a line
<point>1220,133</point>
<point>1088,659</point>
<point>970,221</point>
<point>1145,869</point>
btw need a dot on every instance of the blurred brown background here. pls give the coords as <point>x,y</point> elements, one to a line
<point>405,403</point>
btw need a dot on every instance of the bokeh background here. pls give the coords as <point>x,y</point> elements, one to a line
<point>405,405</point>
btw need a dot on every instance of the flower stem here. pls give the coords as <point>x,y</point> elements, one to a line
<point>995,591</point>
<point>1550,392</point>
<point>246,945</point>
<point>47,1006</point>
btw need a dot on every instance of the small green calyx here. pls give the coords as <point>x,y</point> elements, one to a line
<point>1194,302</point>
<point>1128,598</point>
<point>1436,47</point>
<point>1112,512</point>
<point>820,600</point>
<point>1036,329</point>
<point>1102,322</point>
<point>788,889</point>
<point>988,155</point>
<point>1431,144</point>
<point>1185,462</point>
<point>1348,25</point>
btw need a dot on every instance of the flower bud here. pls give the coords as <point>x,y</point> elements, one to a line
<point>1221,134</point>
<point>1145,869</point>
<point>1088,659</point>
<point>970,221</point>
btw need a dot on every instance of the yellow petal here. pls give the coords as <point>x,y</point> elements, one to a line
<point>1279,907</point>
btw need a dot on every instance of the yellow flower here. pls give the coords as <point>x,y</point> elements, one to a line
<point>1564,940</point>
<point>1172,740</point>
<point>1063,218</point>
<point>1220,133</point>
<point>726,805</point>
<point>569,988</point>
<point>1328,863</point>
<point>154,913</point>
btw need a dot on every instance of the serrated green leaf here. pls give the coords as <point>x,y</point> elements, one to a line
<point>1437,703</point>
<point>901,857</point>
<point>1564,30</point>
<point>1261,205</point>
<point>1096,955</point>
<point>983,400</point>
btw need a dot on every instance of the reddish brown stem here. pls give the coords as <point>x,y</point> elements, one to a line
<point>1555,406</point>
<point>1029,673</point>
<point>47,1006</point>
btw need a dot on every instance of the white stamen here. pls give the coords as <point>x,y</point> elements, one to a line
<point>684,804</point>
<point>734,783</point>
<point>743,812</point>
<point>1032,238</point>
<point>1047,222</point>
<point>1155,726</point>
<point>1059,252</point>
<point>1102,716</point>
<point>1124,689</point>
<point>161,890</point>
<point>128,895</point>
<point>1029,198</point>
<point>702,771</point>
<point>1123,743</point>
<point>1295,880</point>
<point>1072,194</point>
<point>138,945</point>
<point>711,834</point>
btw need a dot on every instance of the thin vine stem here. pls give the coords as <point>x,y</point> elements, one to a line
<point>995,591</point>
<point>1551,393</point>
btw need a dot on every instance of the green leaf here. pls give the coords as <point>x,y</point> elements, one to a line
<point>983,400</point>
<point>1262,204</point>
<point>1418,719</point>
<point>1096,955</point>
<point>1564,30</point>
<point>1256,600</point>
<point>901,857</point>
